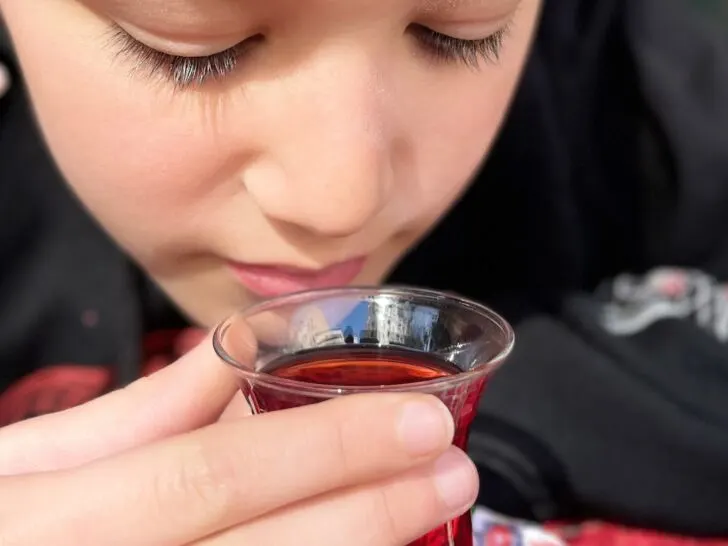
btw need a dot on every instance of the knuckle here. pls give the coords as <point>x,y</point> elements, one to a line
<point>386,515</point>
<point>342,461</point>
<point>202,482</point>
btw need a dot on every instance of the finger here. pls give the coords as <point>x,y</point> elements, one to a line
<point>190,487</point>
<point>393,513</point>
<point>186,395</point>
<point>236,409</point>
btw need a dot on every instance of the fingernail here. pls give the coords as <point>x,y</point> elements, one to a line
<point>456,480</point>
<point>425,426</point>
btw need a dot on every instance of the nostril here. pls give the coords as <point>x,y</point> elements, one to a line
<point>342,216</point>
<point>305,232</point>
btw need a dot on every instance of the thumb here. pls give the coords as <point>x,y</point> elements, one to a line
<point>186,395</point>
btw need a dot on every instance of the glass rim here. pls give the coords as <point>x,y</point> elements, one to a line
<point>313,389</point>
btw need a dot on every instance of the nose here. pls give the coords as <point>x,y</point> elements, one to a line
<point>328,164</point>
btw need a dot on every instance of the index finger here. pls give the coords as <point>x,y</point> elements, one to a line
<point>188,394</point>
<point>190,487</point>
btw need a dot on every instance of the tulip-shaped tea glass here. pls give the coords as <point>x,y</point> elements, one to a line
<point>312,346</point>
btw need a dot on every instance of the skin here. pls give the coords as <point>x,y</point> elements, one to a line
<point>173,472</point>
<point>338,136</point>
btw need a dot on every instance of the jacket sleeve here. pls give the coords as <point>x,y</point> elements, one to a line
<point>614,404</point>
<point>615,410</point>
<point>681,58</point>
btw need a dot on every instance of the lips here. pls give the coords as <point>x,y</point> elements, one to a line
<point>270,281</point>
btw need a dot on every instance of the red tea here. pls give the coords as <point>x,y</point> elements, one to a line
<point>362,366</point>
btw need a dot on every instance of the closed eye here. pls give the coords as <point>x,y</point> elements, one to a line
<point>182,71</point>
<point>468,52</point>
<point>185,72</point>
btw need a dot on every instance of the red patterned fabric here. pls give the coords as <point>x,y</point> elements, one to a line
<point>492,528</point>
<point>52,389</point>
<point>611,535</point>
<point>64,386</point>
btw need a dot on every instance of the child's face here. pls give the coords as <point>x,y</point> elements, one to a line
<point>340,128</point>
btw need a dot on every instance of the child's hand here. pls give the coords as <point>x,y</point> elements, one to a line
<point>346,471</point>
<point>187,395</point>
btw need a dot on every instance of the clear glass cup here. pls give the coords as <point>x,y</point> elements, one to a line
<point>312,346</point>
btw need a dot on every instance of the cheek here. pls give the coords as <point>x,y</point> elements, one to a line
<point>463,115</point>
<point>134,154</point>
<point>455,135</point>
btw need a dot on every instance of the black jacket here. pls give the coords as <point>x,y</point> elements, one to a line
<point>613,161</point>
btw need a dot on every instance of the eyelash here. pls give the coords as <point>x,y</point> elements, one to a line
<point>184,72</point>
<point>469,52</point>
